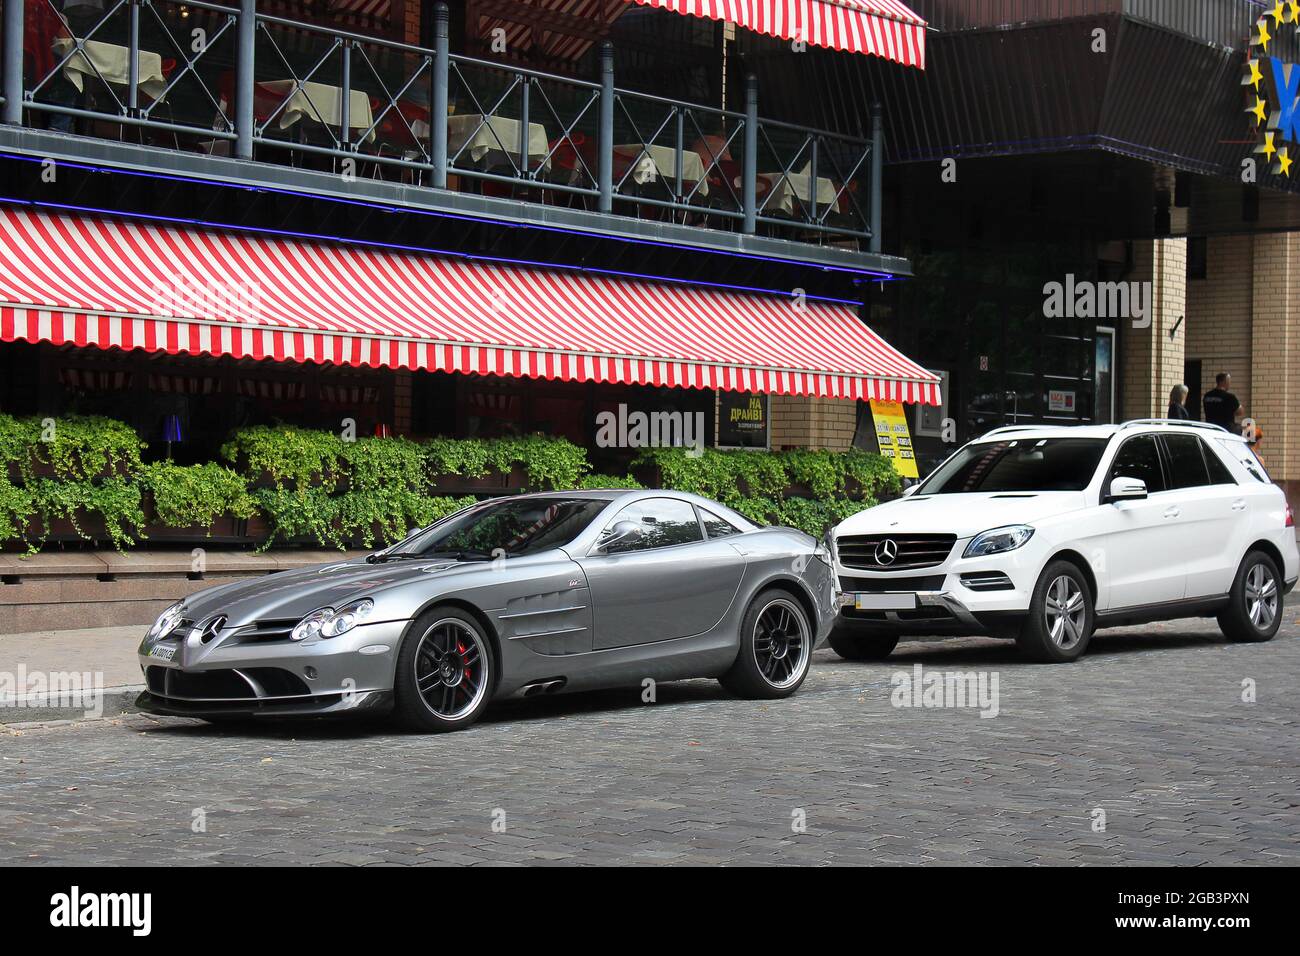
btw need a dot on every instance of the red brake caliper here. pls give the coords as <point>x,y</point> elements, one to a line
<point>463,650</point>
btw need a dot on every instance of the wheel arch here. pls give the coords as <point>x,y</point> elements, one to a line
<point>1269,548</point>
<point>1085,568</point>
<point>489,631</point>
<point>797,588</point>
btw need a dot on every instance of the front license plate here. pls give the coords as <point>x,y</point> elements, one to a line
<point>886,602</point>
<point>165,652</point>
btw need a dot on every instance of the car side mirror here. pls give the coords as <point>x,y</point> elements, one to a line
<point>1127,489</point>
<point>623,535</point>
<point>910,490</point>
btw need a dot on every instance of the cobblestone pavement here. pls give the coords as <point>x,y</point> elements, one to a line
<point>1150,728</point>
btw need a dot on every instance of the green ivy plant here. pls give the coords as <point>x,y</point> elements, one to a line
<point>197,495</point>
<point>74,447</point>
<point>292,457</point>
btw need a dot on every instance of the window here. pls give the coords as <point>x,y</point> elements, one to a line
<point>1187,468</point>
<point>1220,473</point>
<point>715,526</point>
<point>1140,458</point>
<point>1249,460</point>
<point>509,527</point>
<point>664,522</point>
<point>1036,464</point>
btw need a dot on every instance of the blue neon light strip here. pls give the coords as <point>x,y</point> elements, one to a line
<point>387,207</point>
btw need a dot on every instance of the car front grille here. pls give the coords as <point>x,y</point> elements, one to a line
<point>930,582</point>
<point>864,552</point>
<point>225,684</point>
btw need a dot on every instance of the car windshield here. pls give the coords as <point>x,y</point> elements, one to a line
<point>1023,465</point>
<point>508,527</point>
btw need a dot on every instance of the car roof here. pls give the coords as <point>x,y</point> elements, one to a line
<point>1106,432</point>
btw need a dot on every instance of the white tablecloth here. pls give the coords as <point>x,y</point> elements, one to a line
<point>796,185</point>
<point>657,161</point>
<point>489,141</point>
<point>113,63</point>
<point>320,103</point>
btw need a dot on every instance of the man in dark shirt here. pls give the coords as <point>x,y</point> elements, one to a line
<point>1221,406</point>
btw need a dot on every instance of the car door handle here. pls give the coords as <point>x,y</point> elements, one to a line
<point>1173,512</point>
<point>1239,505</point>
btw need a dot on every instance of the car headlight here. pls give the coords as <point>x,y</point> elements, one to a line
<point>346,618</point>
<point>327,622</point>
<point>998,540</point>
<point>166,623</point>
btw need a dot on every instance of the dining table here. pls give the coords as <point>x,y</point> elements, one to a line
<point>649,163</point>
<point>491,141</point>
<point>314,102</point>
<point>787,188</point>
<point>112,63</point>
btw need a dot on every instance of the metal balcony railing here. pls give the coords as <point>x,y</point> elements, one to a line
<point>227,80</point>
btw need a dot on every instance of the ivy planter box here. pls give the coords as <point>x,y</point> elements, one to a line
<point>497,481</point>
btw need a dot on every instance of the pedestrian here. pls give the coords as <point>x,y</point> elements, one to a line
<point>1178,403</point>
<point>1222,407</point>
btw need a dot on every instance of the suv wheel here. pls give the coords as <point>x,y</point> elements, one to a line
<point>1254,611</point>
<point>1060,619</point>
<point>857,645</point>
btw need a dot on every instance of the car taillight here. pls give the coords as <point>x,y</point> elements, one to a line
<point>1290,518</point>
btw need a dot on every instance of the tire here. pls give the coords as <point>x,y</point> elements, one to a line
<point>1047,635</point>
<point>446,653</point>
<point>774,628</point>
<point>857,645</point>
<point>1254,611</point>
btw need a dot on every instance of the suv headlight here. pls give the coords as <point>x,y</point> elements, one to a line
<point>166,623</point>
<point>998,540</point>
<point>825,550</point>
<point>327,622</point>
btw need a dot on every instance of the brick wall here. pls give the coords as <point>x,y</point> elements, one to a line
<point>804,422</point>
<point>402,402</point>
<point>1219,310</point>
<point>1275,352</point>
<point>1151,360</point>
<point>409,11</point>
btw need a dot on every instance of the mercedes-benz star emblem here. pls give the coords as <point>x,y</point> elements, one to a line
<point>887,552</point>
<point>212,628</point>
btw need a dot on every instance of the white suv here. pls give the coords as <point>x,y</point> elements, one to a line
<point>1043,534</point>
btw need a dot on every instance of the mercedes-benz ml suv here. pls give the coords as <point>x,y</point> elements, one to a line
<point>1043,534</point>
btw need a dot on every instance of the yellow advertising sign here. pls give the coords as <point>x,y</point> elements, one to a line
<point>893,436</point>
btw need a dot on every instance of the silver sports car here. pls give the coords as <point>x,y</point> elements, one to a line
<point>535,594</point>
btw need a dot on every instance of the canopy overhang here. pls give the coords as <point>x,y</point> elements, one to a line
<point>87,281</point>
<point>884,28</point>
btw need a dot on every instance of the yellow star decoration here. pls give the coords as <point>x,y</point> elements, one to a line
<point>1295,10</point>
<point>1268,149</point>
<point>1278,13</point>
<point>1264,35</point>
<point>1284,161</point>
<point>1255,74</point>
<point>1259,112</point>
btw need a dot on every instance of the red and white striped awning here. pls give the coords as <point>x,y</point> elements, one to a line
<point>884,28</point>
<point>132,285</point>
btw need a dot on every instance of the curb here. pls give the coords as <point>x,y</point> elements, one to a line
<point>40,709</point>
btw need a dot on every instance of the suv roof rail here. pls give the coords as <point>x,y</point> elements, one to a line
<point>1005,429</point>
<point>1175,421</point>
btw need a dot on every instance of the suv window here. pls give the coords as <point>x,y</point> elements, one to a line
<point>715,526</point>
<point>1187,468</point>
<point>1249,460</point>
<point>1220,473</point>
<point>663,521</point>
<point>1139,458</point>
<point>1027,464</point>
